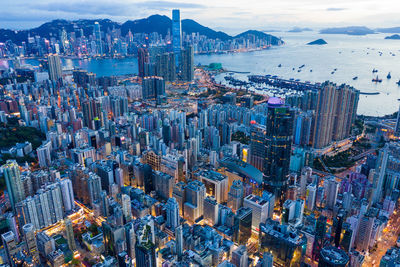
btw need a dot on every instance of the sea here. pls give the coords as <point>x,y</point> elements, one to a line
<point>351,56</point>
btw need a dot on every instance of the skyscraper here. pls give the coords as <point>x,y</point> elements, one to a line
<point>187,64</point>
<point>145,249</point>
<point>176,35</point>
<point>97,35</point>
<point>9,244</point>
<point>278,143</point>
<point>335,113</point>
<point>30,240</point>
<point>143,59</point>
<point>69,232</point>
<point>172,208</point>
<point>13,181</point>
<point>55,68</point>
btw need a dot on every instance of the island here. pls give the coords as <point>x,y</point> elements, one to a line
<point>298,29</point>
<point>393,37</point>
<point>352,30</point>
<point>318,42</point>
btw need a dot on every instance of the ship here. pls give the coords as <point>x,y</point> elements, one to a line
<point>377,80</point>
<point>374,70</point>
<point>355,78</point>
<point>389,76</point>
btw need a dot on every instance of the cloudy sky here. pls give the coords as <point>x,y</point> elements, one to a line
<point>228,15</point>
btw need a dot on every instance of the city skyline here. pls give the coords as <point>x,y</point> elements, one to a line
<point>232,16</point>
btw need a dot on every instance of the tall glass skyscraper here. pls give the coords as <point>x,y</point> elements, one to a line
<point>97,35</point>
<point>176,35</point>
<point>278,141</point>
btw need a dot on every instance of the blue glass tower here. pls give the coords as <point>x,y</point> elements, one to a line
<point>176,35</point>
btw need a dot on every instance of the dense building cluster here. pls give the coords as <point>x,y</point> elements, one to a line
<point>127,176</point>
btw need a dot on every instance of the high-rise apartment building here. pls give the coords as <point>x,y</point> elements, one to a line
<point>55,67</point>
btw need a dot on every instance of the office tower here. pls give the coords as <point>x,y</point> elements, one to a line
<point>216,184</point>
<point>244,223</point>
<point>176,35</point>
<point>195,192</point>
<point>288,211</point>
<point>187,64</point>
<point>93,188</point>
<point>257,146</point>
<point>97,36</point>
<point>239,257</point>
<point>267,260</point>
<point>126,207</point>
<point>278,145</point>
<point>332,188</point>
<point>130,239</point>
<point>69,233</point>
<point>311,194</point>
<point>165,66</point>
<point>333,257</point>
<point>56,258</point>
<point>55,67</point>
<point>306,173</point>
<point>335,113</point>
<point>365,228</point>
<point>45,244</point>
<point>145,249</point>
<point>30,240</point>
<point>259,207</point>
<point>44,155</point>
<point>13,181</point>
<point>153,87</point>
<point>172,210</point>
<point>235,195</point>
<point>178,192</point>
<point>106,175</point>
<point>67,194</point>
<point>10,245</point>
<point>114,238</point>
<point>164,184</point>
<point>143,59</point>
<point>211,211</point>
<point>179,241</point>
<point>284,243</point>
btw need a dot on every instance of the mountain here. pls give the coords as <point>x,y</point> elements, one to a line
<point>352,30</point>
<point>154,23</point>
<point>262,35</point>
<point>318,42</point>
<point>389,30</point>
<point>393,37</point>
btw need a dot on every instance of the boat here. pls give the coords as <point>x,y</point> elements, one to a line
<point>332,72</point>
<point>355,78</point>
<point>310,70</point>
<point>377,80</point>
<point>280,65</point>
<point>389,76</point>
<point>398,83</point>
<point>302,66</point>
<point>298,70</point>
<point>292,68</point>
<point>334,69</point>
<point>374,70</point>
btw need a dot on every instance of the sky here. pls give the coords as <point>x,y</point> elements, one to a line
<point>228,15</point>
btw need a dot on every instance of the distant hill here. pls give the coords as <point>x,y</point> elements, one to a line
<point>389,30</point>
<point>318,42</point>
<point>352,30</point>
<point>298,29</point>
<point>274,40</point>
<point>393,37</point>
<point>154,23</point>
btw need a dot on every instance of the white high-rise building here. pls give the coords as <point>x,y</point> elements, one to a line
<point>44,154</point>
<point>67,194</point>
<point>259,207</point>
<point>311,194</point>
<point>331,189</point>
<point>55,68</point>
<point>126,207</point>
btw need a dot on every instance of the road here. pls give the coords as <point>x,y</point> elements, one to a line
<point>385,242</point>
